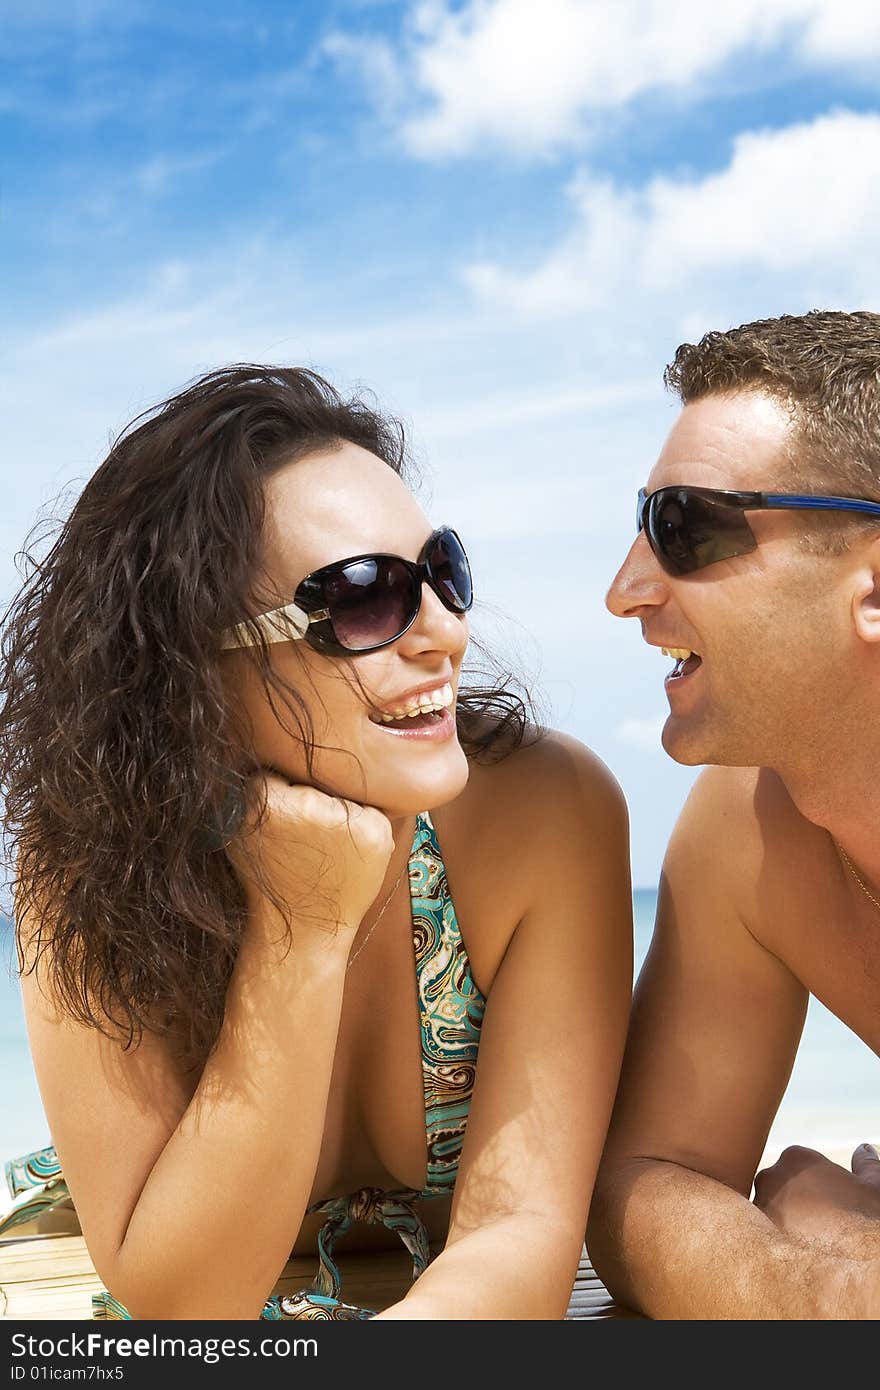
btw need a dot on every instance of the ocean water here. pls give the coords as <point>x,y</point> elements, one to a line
<point>832,1101</point>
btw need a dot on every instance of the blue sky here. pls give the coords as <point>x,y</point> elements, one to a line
<point>500,216</point>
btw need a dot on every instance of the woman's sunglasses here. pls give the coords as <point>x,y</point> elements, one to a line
<point>365,603</point>
<point>689,528</point>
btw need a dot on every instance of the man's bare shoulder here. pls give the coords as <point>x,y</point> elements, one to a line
<point>741,833</point>
<point>751,803</point>
<point>744,797</point>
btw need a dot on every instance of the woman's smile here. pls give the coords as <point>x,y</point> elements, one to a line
<point>425,712</point>
<point>434,725</point>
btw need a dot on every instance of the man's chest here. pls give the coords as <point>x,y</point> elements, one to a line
<point>833,947</point>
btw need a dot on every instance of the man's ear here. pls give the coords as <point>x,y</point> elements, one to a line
<point>866,595</point>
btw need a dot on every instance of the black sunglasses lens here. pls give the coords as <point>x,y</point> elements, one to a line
<point>450,571</point>
<point>370,602</point>
<point>689,532</point>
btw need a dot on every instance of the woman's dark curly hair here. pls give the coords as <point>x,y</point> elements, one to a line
<point>118,745</point>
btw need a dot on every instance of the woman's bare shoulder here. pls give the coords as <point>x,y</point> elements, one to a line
<point>533,832</point>
<point>550,804</point>
<point>551,773</point>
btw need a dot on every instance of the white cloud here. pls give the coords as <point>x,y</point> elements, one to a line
<point>788,200</point>
<point>799,206</point>
<point>532,78</point>
<point>586,265</point>
<point>847,33</point>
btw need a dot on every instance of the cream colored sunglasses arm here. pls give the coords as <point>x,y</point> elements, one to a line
<point>287,624</point>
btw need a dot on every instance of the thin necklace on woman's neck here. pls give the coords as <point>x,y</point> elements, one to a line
<point>381,913</point>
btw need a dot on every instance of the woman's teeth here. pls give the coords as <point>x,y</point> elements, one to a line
<point>428,701</point>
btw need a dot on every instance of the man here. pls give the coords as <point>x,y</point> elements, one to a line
<point>771,884</point>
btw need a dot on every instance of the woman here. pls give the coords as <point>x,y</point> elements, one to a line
<point>235,733</point>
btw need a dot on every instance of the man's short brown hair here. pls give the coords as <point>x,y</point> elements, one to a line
<point>824,366</point>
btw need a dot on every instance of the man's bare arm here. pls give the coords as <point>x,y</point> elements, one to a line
<point>676,1244</point>
<point>715,1027</point>
<point>807,1196</point>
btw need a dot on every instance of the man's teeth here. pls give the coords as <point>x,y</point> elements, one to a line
<point>677,653</point>
<point>439,699</point>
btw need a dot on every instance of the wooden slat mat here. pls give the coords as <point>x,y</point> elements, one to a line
<point>52,1276</point>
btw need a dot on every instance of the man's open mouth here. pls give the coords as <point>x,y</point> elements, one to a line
<point>686,662</point>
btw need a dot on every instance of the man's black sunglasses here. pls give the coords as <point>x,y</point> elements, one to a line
<point>691,527</point>
<point>366,602</point>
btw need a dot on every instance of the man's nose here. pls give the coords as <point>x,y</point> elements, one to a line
<point>639,583</point>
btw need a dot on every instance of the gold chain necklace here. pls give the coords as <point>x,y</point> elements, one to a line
<point>380,916</point>
<point>846,859</point>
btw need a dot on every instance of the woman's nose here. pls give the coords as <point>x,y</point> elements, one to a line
<point>437,628</point>
<point>639,583</point>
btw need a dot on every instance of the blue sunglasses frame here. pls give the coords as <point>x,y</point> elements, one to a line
<point>689,528</point>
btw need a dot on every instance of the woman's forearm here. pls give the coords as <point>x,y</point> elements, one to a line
<point>516,1267</point>
<point>222,1206</point>
<point>674,1243</point>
